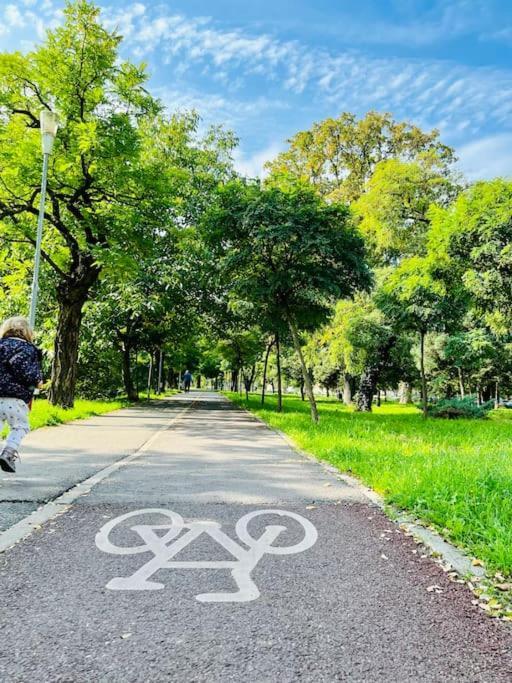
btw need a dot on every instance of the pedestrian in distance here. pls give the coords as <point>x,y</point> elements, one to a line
<point>20,376</point>
<point>187,380</point>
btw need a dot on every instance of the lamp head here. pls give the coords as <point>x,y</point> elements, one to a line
<point>49,125</point>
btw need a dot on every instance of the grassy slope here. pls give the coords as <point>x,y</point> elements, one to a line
<point>43,414</point>
<point>454,474</point>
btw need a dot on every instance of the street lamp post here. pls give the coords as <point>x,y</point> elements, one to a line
<point>49,124</point>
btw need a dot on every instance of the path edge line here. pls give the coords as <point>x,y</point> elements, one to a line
<point>26,526</point>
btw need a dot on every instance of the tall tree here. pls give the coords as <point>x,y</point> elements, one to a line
<point>472,239</point>
<point>394,212</point>
<point>100,187</point>
<point>339,155</point>
<point>289,253</point>
<point>416,300</point>
<point>361,341</point>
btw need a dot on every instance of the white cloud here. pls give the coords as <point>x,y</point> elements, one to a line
<point>124,22</point>
<point>252,166</point>
<point>207,103</point>
<point>487,158</point>
<point>461,100</point>
<point>14,17</point>
<point>432,92</point>
<point>30,16</point>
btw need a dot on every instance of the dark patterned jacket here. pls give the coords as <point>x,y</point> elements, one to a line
<point>20,368</point>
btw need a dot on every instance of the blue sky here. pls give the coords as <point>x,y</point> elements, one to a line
<point>269,68</point>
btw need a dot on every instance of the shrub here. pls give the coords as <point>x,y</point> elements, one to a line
<point>455,408</point>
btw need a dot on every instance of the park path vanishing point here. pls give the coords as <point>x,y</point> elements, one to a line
<point>217,553</point>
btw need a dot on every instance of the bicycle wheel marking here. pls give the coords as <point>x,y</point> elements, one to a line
<point>179,534</point>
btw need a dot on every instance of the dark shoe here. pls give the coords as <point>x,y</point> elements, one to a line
<point>7,459</point>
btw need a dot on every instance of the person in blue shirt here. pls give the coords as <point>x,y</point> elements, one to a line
<point>20,376</point>
<point>187,380</point>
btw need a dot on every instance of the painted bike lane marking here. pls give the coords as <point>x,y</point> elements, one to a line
<point>165,547</point>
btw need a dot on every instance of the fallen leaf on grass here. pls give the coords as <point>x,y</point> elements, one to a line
<point>504,586</point>
<point>477,563</point>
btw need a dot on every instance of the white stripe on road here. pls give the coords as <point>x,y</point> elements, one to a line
<point>27,525</point>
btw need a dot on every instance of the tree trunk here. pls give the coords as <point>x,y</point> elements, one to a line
<point>461,382</point>
<point>405,393</point>
<point>497,395</point>
<point>378,398</point>
<point>302,394</point>
<point>234,380</point>
<point>155,372</point>
<point>265,368</point>
<point>308,385</point>
<point>160,370</point>
<point>347,390</point>
<point>150,374</point>
<point>424,397</point>
<point>279,378</point>
<point>137,372</point>
<point>486,393</point>
<point>248,382</point>
<point>71,296</point>
<point>129,387</point>
<point>67,340</point>
<point>370,378</point>
<point>366,391</point>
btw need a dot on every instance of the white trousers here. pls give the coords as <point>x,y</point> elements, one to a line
<point>14,411</point>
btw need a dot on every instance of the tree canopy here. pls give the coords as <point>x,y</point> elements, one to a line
<point>339,155</point>
<point>361,263</point>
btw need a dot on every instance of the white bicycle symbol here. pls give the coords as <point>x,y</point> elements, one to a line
<point>170,543</point>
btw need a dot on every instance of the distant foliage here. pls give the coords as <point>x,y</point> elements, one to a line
<point>455,408</point>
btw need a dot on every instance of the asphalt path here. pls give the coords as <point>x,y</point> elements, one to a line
<point>219,554</point>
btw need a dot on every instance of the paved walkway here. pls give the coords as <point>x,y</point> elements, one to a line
<point>247,563</point>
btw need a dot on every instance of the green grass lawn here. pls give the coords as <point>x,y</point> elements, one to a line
<point>454,474</point>
<point>44,414</point>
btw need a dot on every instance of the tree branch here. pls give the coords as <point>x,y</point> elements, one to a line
<point>44,254</point>
<point>32,117</point>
